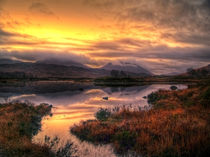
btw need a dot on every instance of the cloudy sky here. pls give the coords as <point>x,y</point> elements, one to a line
<point>163,36</point>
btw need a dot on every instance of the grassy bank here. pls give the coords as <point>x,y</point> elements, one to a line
<point>177,125</point>
<point>129,81</point>
<point>18,123</point>
<point>110,81</point>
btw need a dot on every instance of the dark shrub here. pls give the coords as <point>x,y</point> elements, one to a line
<point>126,140</point>
<point>169,152</point>
<point>103,114</point>
<point>155,96</point>
<point>152,97</point>
<point>206,98</point>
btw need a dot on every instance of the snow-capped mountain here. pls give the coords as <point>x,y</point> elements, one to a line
<point>126,67</point>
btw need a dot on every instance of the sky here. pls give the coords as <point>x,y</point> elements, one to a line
<point>164,36</point>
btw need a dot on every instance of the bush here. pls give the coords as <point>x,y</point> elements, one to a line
<point>156,96</point>
<point>152,97</point>
<point>103,114</point>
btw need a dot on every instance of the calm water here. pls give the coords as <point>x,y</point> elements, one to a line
<point>75,102</point>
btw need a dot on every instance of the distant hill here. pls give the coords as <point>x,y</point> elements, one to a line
<point>38,70</point>
<point>171,74</point>
<point>61,62</point>
<point>56,69</point>
<point>200,72</point>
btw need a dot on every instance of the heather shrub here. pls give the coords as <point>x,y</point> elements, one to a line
<point>103,114</point>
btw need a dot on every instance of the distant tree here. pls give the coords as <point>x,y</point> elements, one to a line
<point>191,71</point>
<point>115,73</point>
<point>204,72</point>
<point>123,74</point>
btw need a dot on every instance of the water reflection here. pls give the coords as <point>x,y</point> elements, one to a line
<point>74,103</point>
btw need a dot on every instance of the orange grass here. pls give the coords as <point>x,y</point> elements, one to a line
<point>177,125</point>
<point>18,123</point>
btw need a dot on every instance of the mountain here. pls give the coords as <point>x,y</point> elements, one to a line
<point>55,61</point>
<point>38,70</point>
<point>200,72</point>
<point>53,68</point>
<point>129,68</point>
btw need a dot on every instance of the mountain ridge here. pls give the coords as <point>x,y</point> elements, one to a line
<point>54,69</point>
<point>61,62</point>
<point>127,67</point>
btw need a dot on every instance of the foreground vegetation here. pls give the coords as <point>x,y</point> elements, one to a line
<point>19,122</point>
<point>177,125</point>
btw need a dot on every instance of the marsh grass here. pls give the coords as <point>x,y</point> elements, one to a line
<point>19,122</point>
<point>178,125</point>
<point>68,149</point>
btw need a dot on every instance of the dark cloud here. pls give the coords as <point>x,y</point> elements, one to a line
<point>2,1</point>
<point>41,7</point>
<point>106,46</point>
<point>184,54</point>
<point>6,42</point>
<point>112,54</point>
<point>197,55</point>
<point>181,16</point>
<point>5,33</point>
<point>189,38</point>
<point>134,42</point>
<point>37,55</point>
<point>105,4</point>
<point>206,4</point>
<point>162,55</point>
<point>12,38</point>
<point>121,44</point>
<point>171,13</point>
